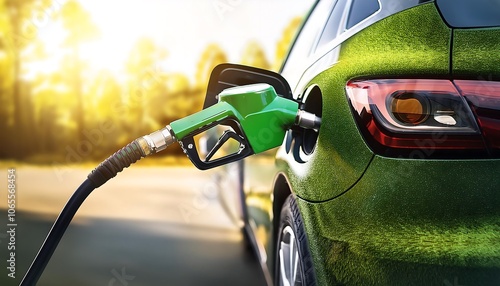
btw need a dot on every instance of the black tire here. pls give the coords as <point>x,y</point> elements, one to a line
<point>292,242</point>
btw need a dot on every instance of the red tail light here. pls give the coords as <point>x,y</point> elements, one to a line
<point>427,118</point>
<point>484,99</point>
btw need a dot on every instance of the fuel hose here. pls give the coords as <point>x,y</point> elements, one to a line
<point>109,168</point>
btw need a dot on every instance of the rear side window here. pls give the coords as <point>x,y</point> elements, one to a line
<point>298,57</point>
<point>360,10</point>
<point>331,29</point>
<point>470,13</point>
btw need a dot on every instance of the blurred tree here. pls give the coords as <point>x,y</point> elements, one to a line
<point>107,109</point>
<point>6,100</point>
<point>180,100</point>
<point>211,57</point>
<point>52,113</point>
<point>19,25</point>
<point>106,96</point>
<point>286,40</point>
<point>254,56</point>
<point>145,83</point>
<point>78,23</point>
<point>6,61</point>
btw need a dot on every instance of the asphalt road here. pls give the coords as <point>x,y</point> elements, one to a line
<point>148,226</point>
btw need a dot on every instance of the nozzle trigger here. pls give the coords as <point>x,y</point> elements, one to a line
<point>228,134</point>
<point>235,133</point>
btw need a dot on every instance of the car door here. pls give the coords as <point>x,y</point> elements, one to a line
<point>260,170</point>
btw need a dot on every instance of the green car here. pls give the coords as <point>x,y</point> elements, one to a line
<point>401,184</point>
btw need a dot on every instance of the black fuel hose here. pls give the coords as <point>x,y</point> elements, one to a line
<point>56,232</point>
<point>105,171</point>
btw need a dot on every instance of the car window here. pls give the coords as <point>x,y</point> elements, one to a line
<point>470,14</point>
<point>360,10</point>
<point>297,59</point>
<point>332,26</point>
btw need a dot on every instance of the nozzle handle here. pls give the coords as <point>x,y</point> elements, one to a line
<point>188,145</point>
<point>258,116</point>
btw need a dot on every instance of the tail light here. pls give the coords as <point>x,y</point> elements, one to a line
<point>484,99</point>
<point>423,118</point>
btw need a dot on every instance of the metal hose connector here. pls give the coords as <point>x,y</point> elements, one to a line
<point>133,152</point>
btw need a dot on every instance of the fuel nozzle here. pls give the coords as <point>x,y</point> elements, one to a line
<point>256,117</point>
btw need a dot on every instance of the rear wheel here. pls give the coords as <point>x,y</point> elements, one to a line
<point>293,262</point>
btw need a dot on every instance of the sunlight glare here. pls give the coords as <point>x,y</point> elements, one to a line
<point>119,30</point>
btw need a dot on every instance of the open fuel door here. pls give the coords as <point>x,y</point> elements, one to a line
<point>230,75</point>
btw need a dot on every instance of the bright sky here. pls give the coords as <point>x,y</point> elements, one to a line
<point>183,27</point>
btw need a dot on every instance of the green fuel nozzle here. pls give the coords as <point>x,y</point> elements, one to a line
<point>258,117</point>
<point>263,116</point>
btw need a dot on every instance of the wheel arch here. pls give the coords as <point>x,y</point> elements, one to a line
<point>281,191</point>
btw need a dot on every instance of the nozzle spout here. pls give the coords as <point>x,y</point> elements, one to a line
<point>308,120</point>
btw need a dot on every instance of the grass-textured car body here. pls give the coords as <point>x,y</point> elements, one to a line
<point>389,220</point>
